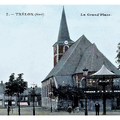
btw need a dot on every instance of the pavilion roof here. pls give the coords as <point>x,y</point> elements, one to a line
<point>104,73</point>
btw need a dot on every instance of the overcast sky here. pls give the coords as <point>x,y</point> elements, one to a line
<point>26,41</point>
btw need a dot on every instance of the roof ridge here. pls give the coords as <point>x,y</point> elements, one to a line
<point>77,43</point>
<point>71,52</point>
<point>70,58</point>
<point>57,69</point>
<point>90,56</point>
<point>93,51</point>
<point>83,36</point>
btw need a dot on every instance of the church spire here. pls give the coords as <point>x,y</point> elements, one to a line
<point>63,30</point>
<point>64,41</point>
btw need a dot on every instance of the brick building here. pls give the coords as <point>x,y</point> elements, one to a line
<point>70,58</point>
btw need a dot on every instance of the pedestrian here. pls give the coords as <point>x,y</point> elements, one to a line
<point>97,107</point>
<point>73,107</point>
<point>8,110</point>
<point>69,109</point>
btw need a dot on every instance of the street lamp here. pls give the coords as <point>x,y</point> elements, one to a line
<point>85,73</point>
<point>9,104</point>
<point>33,95</point>
<point>73,104</point>
<point>103,83</point>
<point>18,102</point>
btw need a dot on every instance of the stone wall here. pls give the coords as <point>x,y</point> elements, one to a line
<point>46,103</point>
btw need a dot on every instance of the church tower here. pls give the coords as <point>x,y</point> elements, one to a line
<point>64,41</point>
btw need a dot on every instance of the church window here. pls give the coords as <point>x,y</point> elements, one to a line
<point>77,81</point>
<point>55,50</point>
<point>90,82</point>
<point>83,82</point>
<point>65,48</point>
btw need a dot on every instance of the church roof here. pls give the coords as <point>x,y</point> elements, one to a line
<point>80,55</point>
<point>93,59</point>
<point>70,60</point>
<point>63,30</point>
<point>64,80</point>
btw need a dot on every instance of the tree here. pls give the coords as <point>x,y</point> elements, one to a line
<point>9,85</point>
<point>67,92</point>
<point>15,86</point>
<point>118,56</point>
<point>9,90</point>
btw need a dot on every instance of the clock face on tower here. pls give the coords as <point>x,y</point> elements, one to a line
<point>66,42</point>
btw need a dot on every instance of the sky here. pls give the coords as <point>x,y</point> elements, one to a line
<point>26,42</point>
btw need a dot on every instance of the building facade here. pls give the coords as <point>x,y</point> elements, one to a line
<point>70,58</point>
<point>25,98</point>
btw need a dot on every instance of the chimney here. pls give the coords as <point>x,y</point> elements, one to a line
<point>1,82</point>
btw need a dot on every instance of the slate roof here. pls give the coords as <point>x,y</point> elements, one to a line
<point>64,80</point>
<point>80,55</point>
<point>93,60</point>
<point>70,60</point>
<point>63,31</point>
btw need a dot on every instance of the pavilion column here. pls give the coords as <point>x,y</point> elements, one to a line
<point>104,98</point>
<point>104,101</point>
<point>112,85</point>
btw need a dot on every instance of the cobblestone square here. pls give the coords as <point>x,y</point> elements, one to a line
<point>40,111</point>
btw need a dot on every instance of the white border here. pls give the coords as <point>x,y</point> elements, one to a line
<point>56,2</point>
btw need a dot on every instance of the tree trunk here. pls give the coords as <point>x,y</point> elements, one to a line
<point>8,109</point>
<point>18,104</point>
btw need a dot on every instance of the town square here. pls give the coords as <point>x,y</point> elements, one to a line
<point>60,60</point>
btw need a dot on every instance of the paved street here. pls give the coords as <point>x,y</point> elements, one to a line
<point>41,111</point>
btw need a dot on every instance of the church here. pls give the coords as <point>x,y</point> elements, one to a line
<point>70,58</point>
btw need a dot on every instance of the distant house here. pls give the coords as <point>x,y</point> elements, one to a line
<point>70,58</point>
<point>2,98</point>
<point>25,98</point>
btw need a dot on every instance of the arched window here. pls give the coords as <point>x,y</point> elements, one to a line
<point>65,48</point>
<point>83,82</point>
